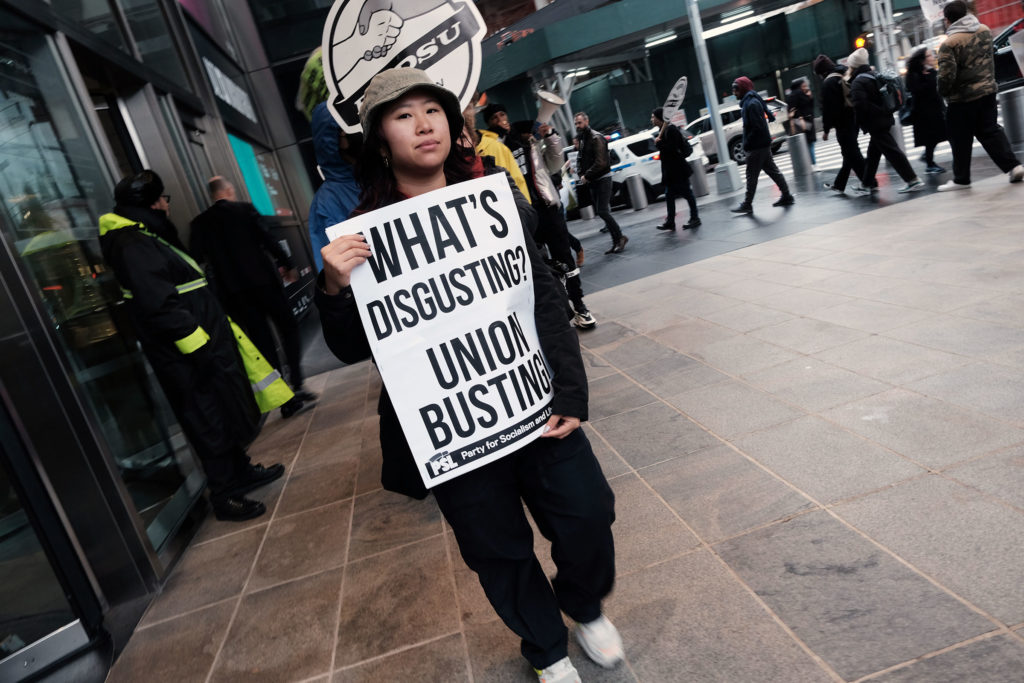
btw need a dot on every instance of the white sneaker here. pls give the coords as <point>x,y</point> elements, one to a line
<point>913,186</point>
<point>952,185</point>
<point>584,320</point>
<point>561,671</point>
<point>601,641</point>
<point>861,191</point>
<point>1017,174</point>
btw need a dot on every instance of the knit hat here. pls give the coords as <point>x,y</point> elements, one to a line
<point>389,85</point>
<point>857,59</point>
<point>490,110</point>
<point>743,84</point>
<point>823,66</point>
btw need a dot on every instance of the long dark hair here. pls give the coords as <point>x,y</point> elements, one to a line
<point>915,62</point>
<point>379,186</point>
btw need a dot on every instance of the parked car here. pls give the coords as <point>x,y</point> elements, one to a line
<point>700,129</point>
<point>633,154</point>
<point>1008,73</point>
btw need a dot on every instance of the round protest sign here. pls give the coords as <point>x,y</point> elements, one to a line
<point>364,37</point>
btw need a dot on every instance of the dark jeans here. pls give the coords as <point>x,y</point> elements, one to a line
<point>883,143</point>
<point>761,160</point>
<point>553,231</point>
<point>853,160</point>
<point>250,308</point>
<point>977,119</point>
<point>601,196</point>
<point>679,188</point>
<point>573,506</point>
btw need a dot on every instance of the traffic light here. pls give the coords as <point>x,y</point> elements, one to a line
<point>860,41</point>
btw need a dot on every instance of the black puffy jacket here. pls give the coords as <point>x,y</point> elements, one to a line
<point>866,95</point>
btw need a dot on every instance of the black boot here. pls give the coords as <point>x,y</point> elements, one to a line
<point>237,509</point>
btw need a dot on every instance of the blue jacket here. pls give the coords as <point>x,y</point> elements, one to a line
<point>755,122</point>
<point>339,194</point>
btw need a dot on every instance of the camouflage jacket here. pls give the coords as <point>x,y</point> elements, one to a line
<point>966,69</point>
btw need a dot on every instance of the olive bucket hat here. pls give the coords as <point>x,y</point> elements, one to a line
<point>389,85</point>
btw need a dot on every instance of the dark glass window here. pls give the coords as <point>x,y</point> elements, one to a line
<point>96,17</point>
<point>153,38</point>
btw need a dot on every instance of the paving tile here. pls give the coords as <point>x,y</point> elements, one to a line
<point>1002,310</point>
<point>603,335</point>
<point>440,660</point>
<point>732,408</point>
<point>644,318</point>
<point>674,373</point>
<point>998,474</point>
<point>284,633</point>
<point>959,335</point>
<point>691,335</point>
<point>805,301</point>
<point>394,599</point>
<point>719,493</point>
<point>967,542</point>
<point>743,354</point>
<point>474,607</point>
<point>856,607</point>
<point>611,463</point>
<point>646,531</point>
<point>688,619</point>
<point>999,659</point>
<point>206,574</point>
<point>653,433</point>
<point>154,653</point>
<point>928,431</point>
<point>815,385</point>
<point>891,360</point>
<point>596,366</point>
<point>824,461</point>
<point>616,394</point>
<point>345,410</point>
<point>747,316</point>
<point>318,486</point>
<point>329,446</point>
<point>382,520</point>
<point>994,390</point>
<point>870,316</point>
<point>634,351</point>
<point>303,543</point>
<point>807,335</point>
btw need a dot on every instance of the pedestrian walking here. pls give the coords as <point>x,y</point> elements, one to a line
<point>928,111</point>
<point>967,80</point>
<point>875,120</point>
<point>543,154</point>
<point>336,154</point>
<point>231,239</point>
<point>757,141</point>
<point>837,113</point>
<point>801,113</point>
<point>411,127</point>
<point>675,170</point>
<point>190,344</point>
<point>595,173</point>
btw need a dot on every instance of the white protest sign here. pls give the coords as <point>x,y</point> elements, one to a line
<point>364,37</point>
<point>446,301</point>
<point>932,9</point>
<point>674,99</point>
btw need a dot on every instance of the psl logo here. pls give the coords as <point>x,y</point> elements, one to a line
<point>364,37</point>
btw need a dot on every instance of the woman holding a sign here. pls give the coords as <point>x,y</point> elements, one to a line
<point>475,439</point>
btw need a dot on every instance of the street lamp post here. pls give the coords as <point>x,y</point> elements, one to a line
<point>727,172</point>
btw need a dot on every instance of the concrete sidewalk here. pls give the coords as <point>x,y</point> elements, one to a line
<point>817,448</point>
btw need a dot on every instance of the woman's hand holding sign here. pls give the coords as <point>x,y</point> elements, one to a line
<point>560,426</point>
<point>340,257</point>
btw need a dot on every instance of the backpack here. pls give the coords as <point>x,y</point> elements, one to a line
<point>890,86</point>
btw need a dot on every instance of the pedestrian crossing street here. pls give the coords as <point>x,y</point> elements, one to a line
<point>829,156</point>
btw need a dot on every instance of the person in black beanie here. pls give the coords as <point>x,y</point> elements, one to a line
<point>837,113</point>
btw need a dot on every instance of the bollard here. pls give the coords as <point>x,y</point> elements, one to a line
<point>698,179</point>
<point>1011,106</point>
<point>800,155</point>
<point>637,193</point>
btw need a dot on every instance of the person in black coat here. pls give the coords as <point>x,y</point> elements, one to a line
<point>875,120</point>
<point>929,110</point>
<point>837,113</point>
<point>757,141</point>
<point>417,124</point>
<point>675,170</point>
<point>188,341</point>
<point>231,239</point>
<point>801,112</point>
